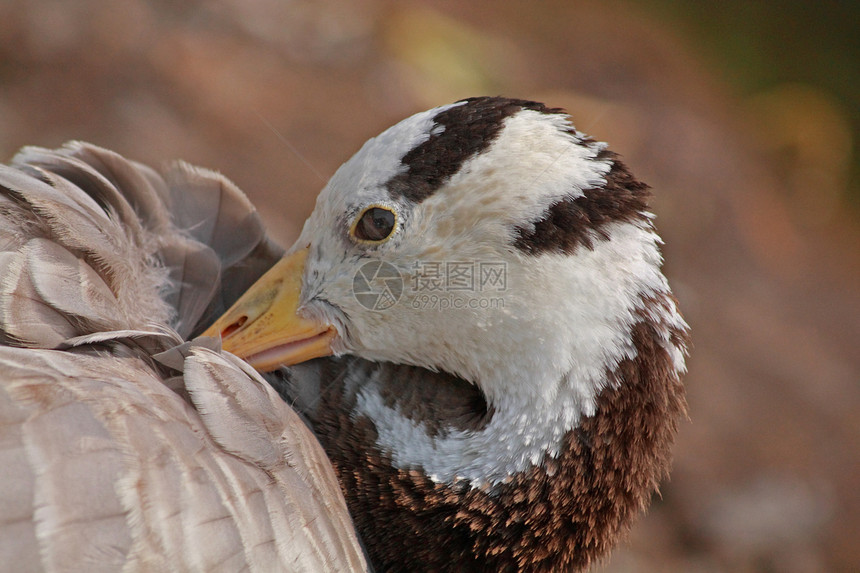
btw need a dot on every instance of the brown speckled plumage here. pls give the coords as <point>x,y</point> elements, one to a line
<point>560,516</point>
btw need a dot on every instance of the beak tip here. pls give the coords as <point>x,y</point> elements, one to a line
<point>263,327</point>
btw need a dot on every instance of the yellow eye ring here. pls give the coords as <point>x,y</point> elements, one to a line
<point>376,224</point>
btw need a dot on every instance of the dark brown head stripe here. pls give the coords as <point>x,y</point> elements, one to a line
<point>570,223</point>
<point>466,130</point>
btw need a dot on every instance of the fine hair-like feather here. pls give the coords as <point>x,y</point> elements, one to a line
<point>122,446</point>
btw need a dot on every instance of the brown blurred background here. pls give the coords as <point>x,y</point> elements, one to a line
<point>743,116</point>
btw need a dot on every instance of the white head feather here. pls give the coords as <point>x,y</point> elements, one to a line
<point>541,351</point>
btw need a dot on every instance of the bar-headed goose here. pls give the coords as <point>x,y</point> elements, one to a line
<point>493,353</point>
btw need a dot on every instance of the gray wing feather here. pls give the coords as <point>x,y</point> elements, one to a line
<point>122,447</point>
<point>24,319</point>
<point>216,213</point>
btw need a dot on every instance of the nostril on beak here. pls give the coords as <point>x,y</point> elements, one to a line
<point>234,327</point>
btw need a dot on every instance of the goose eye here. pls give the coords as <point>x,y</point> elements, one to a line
<point>375,224</point>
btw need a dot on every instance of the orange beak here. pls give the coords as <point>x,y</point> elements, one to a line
<point>263,326</point>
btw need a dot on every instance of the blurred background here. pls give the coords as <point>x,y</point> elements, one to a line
<point>743,116</point>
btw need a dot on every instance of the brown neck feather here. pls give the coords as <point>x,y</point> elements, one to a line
<point>559,516</point>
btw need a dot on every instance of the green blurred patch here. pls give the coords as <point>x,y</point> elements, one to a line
<point>764,45</point>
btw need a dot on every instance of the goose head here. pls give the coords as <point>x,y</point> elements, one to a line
<point>482,337</point>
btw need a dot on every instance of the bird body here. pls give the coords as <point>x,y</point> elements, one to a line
<point>521,428</point>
